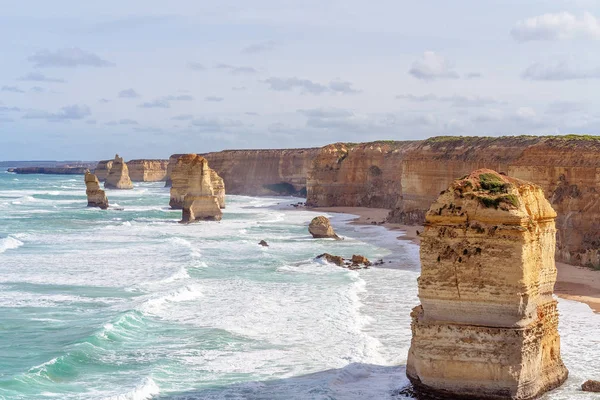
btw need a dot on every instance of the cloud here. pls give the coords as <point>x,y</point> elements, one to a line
<point>432,66</point>
<point>183,117</point>
<point>308,86</point>
<point>73,112</point>
<point>455,101</point>
<point>236,70</point>
<point>326,113</point>
<point>91,122</point>
<point>238,88</point>
<point>69,57</point>
<point>342,87</point>
<point>158,103</point>
<point>474,75</point>
<point>213,98</point>
<point>12,89</point>
<point>39,77</point>
<point>557,26</point>
<point>111,123</point>
<point>37,89</point>
<point>262,47</point>
<point>492,115</point>
<point>215,124</point>
<point>104,101</point>
<point>128,94</point>
<point>196,66</point>
<point>558,71</point>
<point>251,113</point>
<point>181,97</point>
<point>126,121</point>
<point>9,109</point>
<point>564,107</point>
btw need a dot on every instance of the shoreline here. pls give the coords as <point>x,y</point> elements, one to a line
<point>572,282</point>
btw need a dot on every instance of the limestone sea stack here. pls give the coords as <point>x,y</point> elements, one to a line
<point>320,227</point>
<point>180,181</point>
<point>95,196</point>
<point>487,324</point>
<point>118,176</point>
<point>102,169</point>
<point>200,202</point>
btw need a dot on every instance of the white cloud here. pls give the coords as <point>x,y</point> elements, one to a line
<point>432,66</point>
<point>558,71</point>
<point>70,57</point>
<point>557,26</point>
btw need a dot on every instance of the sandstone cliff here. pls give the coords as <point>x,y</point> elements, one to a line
<point>118,176</point>
<point>147,170</point>
<point>260,172</point>
<point>95,196</point>
<point>102,169</point>
<point>487,324</point>
<point>200,202</point>
<point>181,180</point>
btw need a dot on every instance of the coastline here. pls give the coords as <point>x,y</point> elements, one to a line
<point>572,282</point>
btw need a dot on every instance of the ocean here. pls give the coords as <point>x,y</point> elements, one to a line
<point>130,304</point>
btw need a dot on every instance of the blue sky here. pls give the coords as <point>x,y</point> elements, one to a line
<point>85,80</point>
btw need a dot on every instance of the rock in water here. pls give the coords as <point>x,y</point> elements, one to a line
<point>487,324</point>
<point>358,260</point>
<point>591,386</point>
<point>95,196</point>
<point>200,202</point>
<point>337,260</point>
<point>102,169</point>
<point>180,181</point>
<point>118,176</point>
<point>320,227</point>
<point>263,243</point>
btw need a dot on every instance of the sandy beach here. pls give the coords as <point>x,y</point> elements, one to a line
<point>573,282</point>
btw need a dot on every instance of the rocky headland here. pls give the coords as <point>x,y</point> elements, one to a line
<point>487,324</point>
<point>49,170</point>
<point>96,197</point>
<point>200,202</point>
<point>118,175</point>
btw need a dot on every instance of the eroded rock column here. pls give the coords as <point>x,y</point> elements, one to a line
<point>95,196</point>
<point>118,176</point>
<point>200,203</point>
<point>487,324</point>
<point>181,174</point>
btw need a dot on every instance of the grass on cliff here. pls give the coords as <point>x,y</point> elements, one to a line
<point>493,183</point>
<point>495,202</point>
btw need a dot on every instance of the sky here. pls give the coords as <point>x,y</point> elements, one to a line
<point>148,78</point>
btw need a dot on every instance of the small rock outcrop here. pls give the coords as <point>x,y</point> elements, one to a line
<point>591,386</point>
<point>320,227</point>
<point>263,243</point>
<point>200,202</point>
<point>180,181</point>
<point>358,260</point>
<point>337,260</point>
<point>95,196</point>
<point>487,324</point>
<point>118,176</point>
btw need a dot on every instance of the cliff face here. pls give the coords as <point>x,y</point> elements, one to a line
<point>200,202</point>
<point>360,175</point>
<point>118,176</point>
<point>102,169</point>
<point>487,323</point>
<point>50,170</point>
<point>182,176</point>
<point>95,196</point>
<point>147,170</point>
<point>260,172</point>
<point>567,169</point>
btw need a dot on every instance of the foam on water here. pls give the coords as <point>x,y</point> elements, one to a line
<point>144,391</point>
<point>9,243</point>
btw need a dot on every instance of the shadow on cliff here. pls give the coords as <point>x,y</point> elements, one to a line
<point>355,381</point>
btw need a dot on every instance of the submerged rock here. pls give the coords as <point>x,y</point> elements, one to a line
<point>591,386</point>
<point>200,202</point>
<point>263,243</point>
<point>95,196</point>
<point>487,324</point>
<point>118,176</point>
<point>320,227</point>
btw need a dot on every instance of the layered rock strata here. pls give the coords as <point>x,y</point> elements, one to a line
<point>181,174</point>
<point>200,202</point>
<point>102,169</point>
<point>487,324</point>
<point>147,170</point>
<point>95,196</point>
<point>118,176</point>
<point>320,227</point>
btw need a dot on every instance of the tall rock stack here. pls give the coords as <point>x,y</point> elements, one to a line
<point>181,173</point>
<point>95,196</point>
<point>102,169</point>
<point>487,324</point>
<point>118,176</point>
<point>200,202</point>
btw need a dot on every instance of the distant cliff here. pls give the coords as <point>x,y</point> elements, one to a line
<point>50,170</point>
<point>143,170</point>
<point>260,172</point>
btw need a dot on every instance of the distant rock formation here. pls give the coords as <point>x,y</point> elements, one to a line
<point>49,170</point>
<point>200,202</point>
<point>147,170</point>
<point>102,169</point>
<point>320,227</point>
<point>591,386</point>
<point>356,262</point>
<point>95,196</point>
<point>118,176</point>
<point>181,181</point>
<point>487,323</point>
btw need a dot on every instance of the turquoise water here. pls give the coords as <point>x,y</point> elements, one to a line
<point>129,304</point>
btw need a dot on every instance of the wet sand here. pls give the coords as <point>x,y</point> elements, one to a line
<point>572,283</point>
